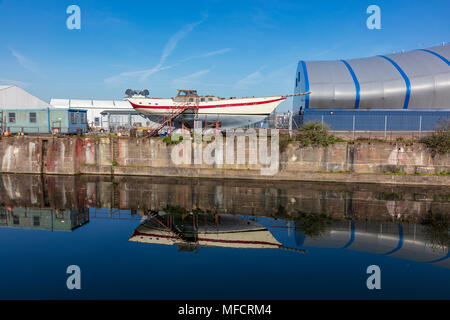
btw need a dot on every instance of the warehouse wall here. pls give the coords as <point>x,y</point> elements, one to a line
<point>378,120</point>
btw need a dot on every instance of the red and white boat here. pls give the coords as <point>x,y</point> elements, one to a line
<point>230,113</point>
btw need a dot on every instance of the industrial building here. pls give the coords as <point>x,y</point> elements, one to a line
<point>22,112</point>
<point>401,91</point>
<point>108,115</point>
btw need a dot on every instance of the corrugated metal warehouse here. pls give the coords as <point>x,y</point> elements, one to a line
<point>402,91</point>
<point>21,111</point>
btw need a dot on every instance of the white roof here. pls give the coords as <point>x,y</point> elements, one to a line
<point>91,104</point>
<point>14,97</point>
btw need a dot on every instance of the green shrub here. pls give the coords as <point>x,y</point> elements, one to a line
<point>315,134</point>
<point>436,229</point>
<point>175,210</point>
<point>313,225</point>
<point>439,141</point>
<point>169,140</point>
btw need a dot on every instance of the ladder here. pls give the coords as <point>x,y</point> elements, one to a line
<point>175,113</point>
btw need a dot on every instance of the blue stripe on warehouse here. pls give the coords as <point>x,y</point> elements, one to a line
<point>378,120</point>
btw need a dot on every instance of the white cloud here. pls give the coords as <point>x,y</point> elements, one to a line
<point>23,61</point>
<point>207,54</point>
<point>192,76</point>
<point>167,51</point>
<point>253,78</point>
<point>257,77</point>
<point>213,53</point>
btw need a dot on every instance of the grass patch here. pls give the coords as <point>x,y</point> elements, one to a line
<point>172,139</point>
<point>406,142</point>
<point>334,171</point>
<point>394,173</point>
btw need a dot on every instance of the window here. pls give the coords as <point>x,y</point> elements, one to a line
<point>191,99</point>
<point>33,117</point>
<point>210,99</point>
<point>83,118</point>
<point>36,221</point>
<point>16,220</point>
<point>202,99</point>
<point>12,117</point>
<point>73,117</point>
<point>298,76</point>
<point>97,121</point>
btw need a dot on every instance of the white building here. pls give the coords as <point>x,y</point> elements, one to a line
<point>106,114</point>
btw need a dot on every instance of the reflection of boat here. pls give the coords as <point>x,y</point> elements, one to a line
<point>224,230</point>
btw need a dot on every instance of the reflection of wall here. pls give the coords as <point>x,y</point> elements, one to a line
<point>54,220</point>
<point>240,197</point>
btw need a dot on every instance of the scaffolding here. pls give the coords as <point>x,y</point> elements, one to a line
<point>186,102</point>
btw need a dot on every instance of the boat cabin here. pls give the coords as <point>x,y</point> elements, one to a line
<point>192,96</point>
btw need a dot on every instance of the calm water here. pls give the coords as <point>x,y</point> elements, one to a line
<point>163,238</point>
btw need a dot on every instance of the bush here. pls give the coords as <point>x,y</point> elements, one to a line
<point>436,228</point>
<point>439,141</point>
<point>169,140</point>
<point>316,134</point>
<point>313,225</point>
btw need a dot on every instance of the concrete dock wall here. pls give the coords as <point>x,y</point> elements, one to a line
<point>370,162</point>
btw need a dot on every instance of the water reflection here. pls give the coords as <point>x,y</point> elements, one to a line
<point>190,231</point>
<point>411,223</point>
<point>402,240</point>
<point>43,219</point>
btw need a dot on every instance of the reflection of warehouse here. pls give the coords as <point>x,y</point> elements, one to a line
<point>403,91</point>
<point>106,114</point>
<point>44,219</point>
<point>407,241</point>
<point>20,111</point>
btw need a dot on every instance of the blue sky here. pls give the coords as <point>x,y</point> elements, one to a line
<point>226,48</point>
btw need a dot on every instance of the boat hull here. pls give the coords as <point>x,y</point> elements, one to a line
<point>229,113</point>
